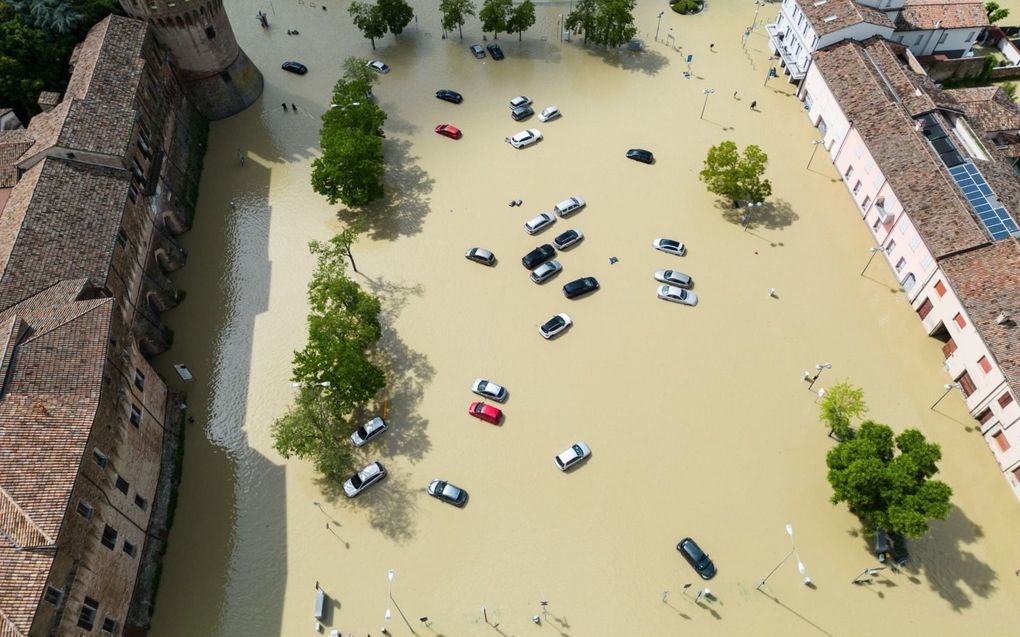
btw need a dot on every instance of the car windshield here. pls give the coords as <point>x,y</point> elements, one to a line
<point>440,486</point>
<point>362,432</point>
<point>482,385</point>
<point>683,294</point>
<point>577,450</point>
<point>356,481</point>
<point>478,408</point>
<point>668,243</point>
<point>694,551</point>
<point>552,324</point>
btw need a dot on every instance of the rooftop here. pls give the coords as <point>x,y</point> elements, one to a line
<point>922,15</point>
<point>832,15</point>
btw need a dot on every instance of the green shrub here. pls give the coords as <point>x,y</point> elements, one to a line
<point>687,6</point>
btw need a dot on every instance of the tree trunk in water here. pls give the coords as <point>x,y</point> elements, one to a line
<point>520,36</point>
<point>372,40</point>
<point>351,257</point>
<point>461,31</point>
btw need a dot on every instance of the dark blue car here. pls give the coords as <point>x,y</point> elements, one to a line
<point>697,558</point>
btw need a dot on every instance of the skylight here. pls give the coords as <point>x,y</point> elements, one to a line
<point>830,18</point>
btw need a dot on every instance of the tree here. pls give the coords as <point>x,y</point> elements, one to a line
<point>884,489</point>
<point>605,22</point>
<point>369,20</point>
<point>54,17</point>
<point>729,175</point>
<point>494,16</point>
<point>995,12</point>
<point>397,14</point>
<point>356,70</point>
<point>584,18</point>
<point>522,18</point>
<point>346,239</point>
<point>842,402</point>
<point>334,371</point>
<point>455,13</point>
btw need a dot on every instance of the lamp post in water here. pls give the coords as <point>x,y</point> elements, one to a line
<point>658,24</point>
<point>949,387</point>
<point>707,92</point>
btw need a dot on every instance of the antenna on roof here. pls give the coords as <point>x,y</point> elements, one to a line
<point>1002,318</point>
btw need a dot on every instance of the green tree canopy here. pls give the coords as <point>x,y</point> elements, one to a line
<point>606,22</point>
<point>728,174</point>
<point>842,403</point>
<point>356,70</point>
<point>397,14</point>
<point>995,12</point>
<point>455,13</point>
<point>522,18</point>
<point>583,18</point>
<point>494,16</point>
<point>885,489</point>
<point>369,19</point>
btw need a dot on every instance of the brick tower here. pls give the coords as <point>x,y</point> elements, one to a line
<point>219,78</point>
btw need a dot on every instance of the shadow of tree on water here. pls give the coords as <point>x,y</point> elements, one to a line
<point>772,215</point>
<point>645,61</point>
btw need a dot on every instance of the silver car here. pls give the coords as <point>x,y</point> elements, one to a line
<point>447,492</point>
<point>671,246</point>
<point>524,138</point>
<point>363,479</point>
<point>368,431</point>
<point>672,277</point>
<point>489,389</point>
<point>520,100</point>
<point>677,295</point>
<point>572,455</point>
<point>539,223</point>
<point>549,113</point>
<point>546,271</point>
<point>569,206</point>
<point>379,66</point>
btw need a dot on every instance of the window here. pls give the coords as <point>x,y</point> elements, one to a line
<point>849,172</point>
<point>942,38</point>
<point>926,263</point>
<point>890,246</point>
<point>121,237</point>
<point>141,502</point>
<point>1005,399</point>
<point>109,537</point>
<point>918,40</point>
<point>857,187</point>
<point>949,348</point>
<point>915,243</point>
<point>899,264</point>
<point>210,32</point>
<point>904,225</point>
<point>109,625</point>
<point>925,309</point>
<point>53,595</point>
<point>867,201</point>
<point>985,416</point>
<point>878,222</point>
<point>970,36</point>
<point>960,321</point>
<point>860,151</point>
<point>876,181</point>
<point>908,283</point>
<point>1000,439</point>
<point>940,287</point>
<point>122,485</point>
<point>1016,473</point>
<point>84,509</point>
<point>129,548</point>
<point>87,617</point>
<point>136,415</point>
<point>100,458</point>
<point>966,384</point>
<point>985,365</point>
<point>139,379</point>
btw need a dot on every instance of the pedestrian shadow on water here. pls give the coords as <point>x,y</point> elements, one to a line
<point>645,61</point>
<point>402,211</point>
<point>772,215</point>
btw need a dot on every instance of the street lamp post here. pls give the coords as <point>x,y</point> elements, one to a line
<point>793,549</point>
<point>757,5</point>
<point>949,387</point>
<point>707,92</point>
<point>819,368</point>
<point>873,250</point>
<point>658,24</point>
<point>872,571</point>
<point>389,575</point>
<point>814,150</point>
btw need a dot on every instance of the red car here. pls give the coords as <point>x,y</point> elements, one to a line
<point>488,413</point>
<point>448,131</point>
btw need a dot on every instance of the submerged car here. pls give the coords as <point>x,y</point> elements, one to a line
<point>480,255</point>
<point>671,246</point>
<point>521,112</point>
<point>580,287</point>
<point>524,138</point>
<point>566,239</point>
<point>488,413</point>
<point>447,95</point>
<point>294,67</point>
<point>891,546</point>
<point>676,295</point>
<point>697,558</point>
<point>447,130</point>
<point>674,278</point>
<point>572,455</point>
<point>539,255</point>
<point>447,492</point>
<point>641,155</point>
<point>495,51</point>
<point>368,431</point>
<point>549,113</point>
<point>538,223</point>
<point>489,389</point>
<point>363,479</point>
<point>546,271</point>
<point>520,100</point>
<point>554,326</point>
<point>477,51</point>
<point>379,66</point>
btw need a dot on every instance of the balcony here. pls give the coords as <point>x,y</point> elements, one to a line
<point>777,44</point>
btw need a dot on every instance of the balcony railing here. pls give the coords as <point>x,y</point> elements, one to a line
<point>776,40</point>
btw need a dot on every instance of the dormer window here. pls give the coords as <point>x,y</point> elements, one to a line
<point>830,18</point>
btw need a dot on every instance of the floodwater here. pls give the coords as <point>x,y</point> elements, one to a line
<point>698,419</point>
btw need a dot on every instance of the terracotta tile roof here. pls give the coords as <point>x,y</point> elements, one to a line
<point>846,12</point>
<point>59,208</point>
<point>13,144</point>
<point>48,402</point>
<point>988,108</point>
<point>880,98</point>
<point>921,15</point>
<point>987,281</point>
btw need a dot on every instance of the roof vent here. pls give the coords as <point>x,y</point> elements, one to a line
<point>1002,318</point>
<point>829,18</point>
<point>820,3</point>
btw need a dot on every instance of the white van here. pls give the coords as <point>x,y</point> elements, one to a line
<point>568,206</point>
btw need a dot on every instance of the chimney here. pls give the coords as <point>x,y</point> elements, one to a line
<point>48,99</point>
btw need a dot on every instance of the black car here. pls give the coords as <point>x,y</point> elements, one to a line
<point>447,95</point>
<point>477,51</point>
<point>891,545</point>
<point>641,155</point>
<point>495,52</point>
<point>581,286</point>
<point>294,67</point>
<point>697,558</point>
<point>567,239</point>
<point>538,256</point>
<point>521,112</point>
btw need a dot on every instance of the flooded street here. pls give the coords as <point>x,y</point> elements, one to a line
<point>698,419</point>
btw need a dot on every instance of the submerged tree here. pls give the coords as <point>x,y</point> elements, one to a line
<point>455,13</point>
<point>728,174</point>
<point>494,16</point>
<point>369,19</point>
<point>397,14</point>
<point>606,22</point>
<point>995,12</point>
<point>522,18</point>
<point>885,489</point>
<point>356,70</point>
<point>842,403</point>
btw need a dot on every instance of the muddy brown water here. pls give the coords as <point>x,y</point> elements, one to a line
<point>698,419</point>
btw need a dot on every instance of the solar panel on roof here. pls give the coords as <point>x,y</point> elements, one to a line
<point>997,220</point>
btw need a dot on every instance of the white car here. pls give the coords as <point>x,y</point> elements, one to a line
<point>566,239</point>
<point>672,277</point>
<point>363,479</point>
<point>671,246</point>
<point>677,295</point>
<point>554,326</point>
<point>572,455</point>
<point>539,223</point>
<point>549,113</point>
<point>569,206</point>
<point>489,389</point>
<point>546,271</point>
<point>520,100</point>
<point>379,66</point>
<point>368,431</point>
<point>524,138</point>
